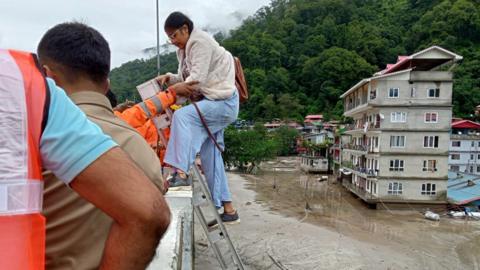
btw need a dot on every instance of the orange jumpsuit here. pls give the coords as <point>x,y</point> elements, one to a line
<point>139,117</point>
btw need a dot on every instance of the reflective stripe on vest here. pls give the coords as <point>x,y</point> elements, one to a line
<point>24,96</point>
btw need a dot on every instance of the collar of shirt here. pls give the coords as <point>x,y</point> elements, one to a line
<point>97,107</point>
<point>91,98</point>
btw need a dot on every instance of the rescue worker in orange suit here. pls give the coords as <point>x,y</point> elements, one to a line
<point>40,128</point>
<point>139,116</point>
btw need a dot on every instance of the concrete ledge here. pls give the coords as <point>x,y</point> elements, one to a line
<point>176,248</point>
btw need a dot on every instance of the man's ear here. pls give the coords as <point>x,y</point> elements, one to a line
<point>52,74</point>
<point>106,86</point>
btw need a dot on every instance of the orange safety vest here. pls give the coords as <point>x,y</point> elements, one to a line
<point>24,98</point>
<point>140,117</point>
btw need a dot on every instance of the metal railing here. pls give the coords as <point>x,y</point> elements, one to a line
<point>359,191</point>
<point>363,148</point>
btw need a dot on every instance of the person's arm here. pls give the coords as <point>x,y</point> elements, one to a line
<point>115,185</point>
<point>78,153</point>
<point>139,114</point>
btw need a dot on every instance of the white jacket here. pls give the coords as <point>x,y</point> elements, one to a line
<point>207,62</point>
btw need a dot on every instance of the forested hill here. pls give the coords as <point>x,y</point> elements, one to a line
<point>301,55</point>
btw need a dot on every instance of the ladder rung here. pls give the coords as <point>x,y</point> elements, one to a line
<point>216,235</point>
<point>199,199</point>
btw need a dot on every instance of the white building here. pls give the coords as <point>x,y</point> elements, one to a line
<point>398,150</point>
<point>465,147</point>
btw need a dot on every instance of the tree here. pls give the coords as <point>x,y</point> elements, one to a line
<point>246,149</point>
<point>286,138</point>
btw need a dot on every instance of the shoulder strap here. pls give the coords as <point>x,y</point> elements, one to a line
<point>206,127</point>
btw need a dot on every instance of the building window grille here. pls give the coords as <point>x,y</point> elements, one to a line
<point>455,168</point>
<point>395,188</point>
<point>397,141</point>
<point>434,92</point>
<point>396,165</point>
<point>430,141</point>
<point>429,165</point>
<point>398,117</point>
<point>455,156</point>
<point>393,92</point>
<point>456,143</point>
<point>429,189</point>
<point>431,117</point>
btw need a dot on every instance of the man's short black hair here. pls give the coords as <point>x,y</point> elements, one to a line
<point>76,48</point>
<point>176,20</point>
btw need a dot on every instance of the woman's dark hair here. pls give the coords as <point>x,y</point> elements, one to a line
<point>176,20</point>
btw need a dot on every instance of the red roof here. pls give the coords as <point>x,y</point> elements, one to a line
<point>466,124</point>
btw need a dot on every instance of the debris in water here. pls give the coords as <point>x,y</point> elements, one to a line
<point>432,216</point>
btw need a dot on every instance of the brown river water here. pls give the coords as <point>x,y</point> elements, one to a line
<point>291,220</point>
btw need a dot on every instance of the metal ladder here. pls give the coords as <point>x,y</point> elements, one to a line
<point>215,234</point>
<point>202,198</point>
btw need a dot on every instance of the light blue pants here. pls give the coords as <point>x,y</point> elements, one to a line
<point>189,137</point>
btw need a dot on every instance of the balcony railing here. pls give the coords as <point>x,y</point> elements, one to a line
<point>361,126</point>
<point>359,191</point>
<point>465,136</point>
<point>362,148</point>
<point>368,172</point>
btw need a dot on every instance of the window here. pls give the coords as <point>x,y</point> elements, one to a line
<point>395,188</point>
<point>398,117</point>
<point>456,143</point>
<point>478,169</point>
<point>473,144</point>
<point>397,141</point>
<point>413,92</point>
<point>429,189</point>
<point>429,165</point>
<point>393,93</point>
<point>471,169</point>
<point>373,94</point>
<point>434,92</point>
<point>455,168</point>
<point>431,117</point>
<point>478,156</point>
<point>396,165</point>
<point>455,156</point>
<point>471,157</point>
<point>478,144</point>
<point>430,142</point>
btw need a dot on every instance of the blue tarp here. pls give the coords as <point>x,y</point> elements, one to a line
<point>460,191</point>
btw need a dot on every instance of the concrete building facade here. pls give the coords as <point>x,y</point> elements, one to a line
<point>398,149</point>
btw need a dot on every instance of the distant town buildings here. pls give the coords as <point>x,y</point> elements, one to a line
<point>399,140</point>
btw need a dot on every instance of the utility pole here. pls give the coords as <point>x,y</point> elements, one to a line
<point>158,39</point>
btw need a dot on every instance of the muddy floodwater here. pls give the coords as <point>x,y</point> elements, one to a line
<point>291,220</point>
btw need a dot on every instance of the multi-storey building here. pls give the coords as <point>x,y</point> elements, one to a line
<point>465,147</point>
<point>398,150</point>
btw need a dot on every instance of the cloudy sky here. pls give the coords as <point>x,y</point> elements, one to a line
<point>128,25</point>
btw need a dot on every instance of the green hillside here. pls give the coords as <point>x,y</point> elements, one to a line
<point>300,55</point>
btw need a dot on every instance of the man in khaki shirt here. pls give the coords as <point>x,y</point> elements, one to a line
<point>76,230</point>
